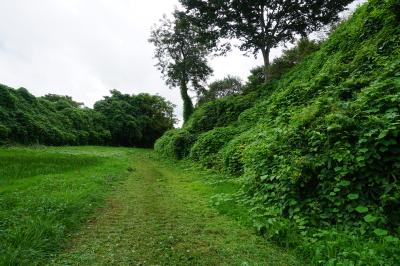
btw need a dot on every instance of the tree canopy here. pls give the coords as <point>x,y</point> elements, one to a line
<point>182,56</point>
<point>135,120</point>
<point>229,85</point>
<point>262,25</point>
<point>119,119</point>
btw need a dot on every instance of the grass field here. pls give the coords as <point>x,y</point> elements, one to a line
<point>119,206</point>
<point>46,193</point>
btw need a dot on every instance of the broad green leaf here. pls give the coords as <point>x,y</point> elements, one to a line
<point>380,232</point>
<point>353,196</point>
<point>362,209</point>
<point>370,218</point>
<point>392,239</point>
<point>345,183</point>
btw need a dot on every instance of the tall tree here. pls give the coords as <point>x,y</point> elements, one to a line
<point>262,25</point>
<point>182,57</point>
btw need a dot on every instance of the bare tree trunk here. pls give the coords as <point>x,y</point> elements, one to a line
<point>265,52</point>
<point>187,102</point>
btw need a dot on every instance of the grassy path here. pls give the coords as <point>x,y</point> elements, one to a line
<point>160,216</point>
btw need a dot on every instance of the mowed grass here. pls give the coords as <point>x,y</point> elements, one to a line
<point>47,193</point>
<point>165,213</point>
<point>119,206</point>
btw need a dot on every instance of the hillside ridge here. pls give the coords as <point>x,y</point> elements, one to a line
<point>318,148</point>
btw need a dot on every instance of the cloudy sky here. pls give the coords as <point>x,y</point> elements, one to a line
<point>84,48</point>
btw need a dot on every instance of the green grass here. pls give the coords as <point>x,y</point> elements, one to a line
<point>20,164</point>
<point>163,215</point>
<point>118,206</point>
<point>47,193</point>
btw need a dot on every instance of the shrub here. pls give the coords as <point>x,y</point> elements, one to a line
<point>219,113</point>
<point>232,154</point>
<point>175,143</point>
<point>205,150</point>
<point>230,85</point>
<point>4,132</point>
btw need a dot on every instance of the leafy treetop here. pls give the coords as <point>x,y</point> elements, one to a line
<point>182,56</point>
<point>261,25</point>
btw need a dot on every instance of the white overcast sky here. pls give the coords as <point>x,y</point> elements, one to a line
<point>84,48</point>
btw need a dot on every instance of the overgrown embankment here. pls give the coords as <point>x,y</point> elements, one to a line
<point>319,148</point>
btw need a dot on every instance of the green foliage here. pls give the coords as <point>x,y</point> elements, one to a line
<point>135,120</point>
<point>319,150</point>
<point>219,113</point>
<point>206,148</point>
<point>333,247</point>
<point>232,154</point>
<point>182,57</point>
<point>120,120</point>
<point>175,143</point>
<point>221,88</point>
<point>292,57</point>
<point>4,132</point>
<point>47,193</point>
<point>262,25</point>
<point>283,64</point>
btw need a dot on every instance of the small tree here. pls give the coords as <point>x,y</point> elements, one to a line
<point>291,57</point>
<point>262,25</point>
<point>182,57</point>
<point>221,88</point>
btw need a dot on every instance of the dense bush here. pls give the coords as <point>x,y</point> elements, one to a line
<point>206,148</point>
<point>58,120</point>
<point>227,86</point>
<point>175,143</point>
<point>320,155</point>
<point>232,154</point>
<point>283,64</point>
<point>136,120</point>
<point>219,113</point>
<point>326,148</point>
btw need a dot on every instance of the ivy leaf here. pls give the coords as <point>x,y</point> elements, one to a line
<point>345,183</point>
<point>383,134</point>
<point>392,239</point>
<point>362,209</point>
<point>380,232</point>
<point>370,218</point>
<point>353,196</point>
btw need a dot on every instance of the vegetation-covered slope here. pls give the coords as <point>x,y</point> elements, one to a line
<point>120,119</point>
<point>321,146</point>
